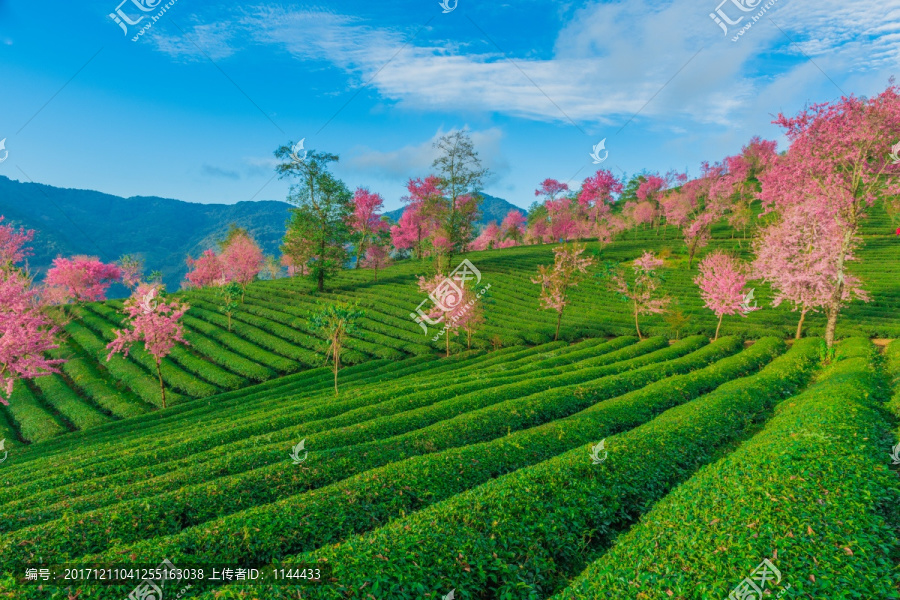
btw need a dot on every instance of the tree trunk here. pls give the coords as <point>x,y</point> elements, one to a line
<point>337,366</point>
<point>468,339</point>
<point>448,342</point>
<point>636,324</point>
<point>558,322</point>
<point>321,280</point>
<point>719,327</point>
<point>162,387</point>
<point>800,324</point>
<point>831,326</point>
<point>834,305</point>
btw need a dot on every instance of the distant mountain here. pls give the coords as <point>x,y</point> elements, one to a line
<point>492,209</point>
<point>161,231</point>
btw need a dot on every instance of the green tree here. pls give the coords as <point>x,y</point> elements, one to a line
<point>461,176</point>
<point>335,322</point>
<point>228,296</point>
<point>317,231</point>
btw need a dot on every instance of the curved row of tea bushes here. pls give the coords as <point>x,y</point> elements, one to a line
<point>523,535</point>
<point>33,421</point>
<point>194,466</point>
<point>812,492</point>
<point>332,513</point>
<point>66,402</point>
<point>87,376</point>
<point>196,367</point>
<point>308,385</point>
<point>129,373</point>
<point>272,476</point>
<point>174,377</point>
<point>294,310</point>
<point>190,445</point>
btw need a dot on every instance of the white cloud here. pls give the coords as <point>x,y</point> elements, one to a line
<point>611,60</point>
<point>417,158</point>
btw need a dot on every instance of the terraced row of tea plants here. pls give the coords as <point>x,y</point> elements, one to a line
<point>271,337</point>
<point>480,474</point>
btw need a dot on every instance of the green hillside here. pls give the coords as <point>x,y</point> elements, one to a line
<point>271,336</point>
<point>478,473</point>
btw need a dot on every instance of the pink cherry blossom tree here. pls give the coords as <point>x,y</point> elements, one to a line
<point>242,260</point>
<point>132,269</point>
<point>366,220</point>
<point>794,255</point>
<point>722,282</point>
<point>488,238</point>
<point>26,333</point>
<point>421,218</point>
<point>595,200</point>
<point>153,321</point>
<point>293,269</point>
<point>377,257</point>
<point>81,278</point>
<point>205,271</point>
<point>513,226</point>
<point>643,291</point>
<point>560,214</point>
<point>837,165</point>
<point>452,306</point>
<point>12,244</point>
<point>567,271</point>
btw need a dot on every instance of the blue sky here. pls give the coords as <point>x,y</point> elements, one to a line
<point>194,109</point>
